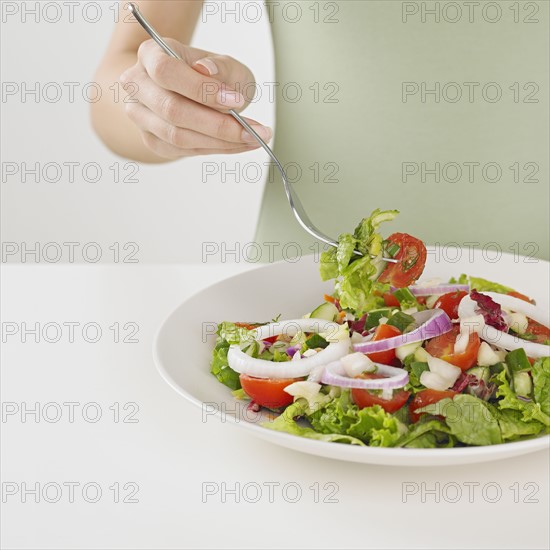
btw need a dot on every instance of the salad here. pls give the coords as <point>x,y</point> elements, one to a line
<point>386,361</point>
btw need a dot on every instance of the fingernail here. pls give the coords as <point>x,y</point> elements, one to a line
<point>208,65</point>
<point>263,131</point>
<point>230,99</point>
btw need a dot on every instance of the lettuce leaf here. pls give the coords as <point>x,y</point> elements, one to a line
<point>427,433</point>
<point>232,334</point>
<point>286,423</point>
<point>513,427</point>
<point>530,410</point>
<point>356,275</point>
<point>415,370</point>
<point>220,368</point>
<point>541,382</point>
<point>469,419</point>
<point>481,285</point>
<point>373,425</point>
<point>228,334</point>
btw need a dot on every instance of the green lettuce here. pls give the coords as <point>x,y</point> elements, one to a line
<point>415,370</point>
<point>373,425</point>
<point>469,419</point>
<point>228,334</point>
<point>286,423</point>
<point>513,427</point>
<point>530,410</point>
<point>481,285</point>
<point>220,368</point>
<point>427,433</point>
<point>232,333</point>
<point>356,275</point>
<point>541,382</point>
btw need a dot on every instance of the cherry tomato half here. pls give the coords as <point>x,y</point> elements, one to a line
<point>364,398</point>
<point>411,260</point>
<point>443,347</point>
<point>383,332</point>
<point>449,302</point>
<point>268,392</point>
<point>390,300</point>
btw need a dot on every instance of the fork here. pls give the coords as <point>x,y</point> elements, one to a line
<point>293,200</point>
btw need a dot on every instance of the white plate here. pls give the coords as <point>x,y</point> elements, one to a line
<point>184,343</point>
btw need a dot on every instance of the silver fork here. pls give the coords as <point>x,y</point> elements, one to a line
<point>294,201</point>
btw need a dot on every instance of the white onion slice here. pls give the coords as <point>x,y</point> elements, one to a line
<point>461,342</point>
<point>421,289</point>
<point>260,368</point>
<point>433,322</point>
<point>508,342</point>
<point>467,307</point>
<point>304,388</point>
<point>357,363</point>
<point>448,372</point>
<point>472,324</point>
<point>521,306</point>
<point>434,381</point>
<point>291,327</point>
<point>335,375</point>
<point>486,356</point>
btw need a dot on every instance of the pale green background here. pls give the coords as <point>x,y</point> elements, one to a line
<point>370,132</point>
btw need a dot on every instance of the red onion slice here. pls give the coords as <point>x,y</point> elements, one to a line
<point>335,375</point>
<point>432,323</point>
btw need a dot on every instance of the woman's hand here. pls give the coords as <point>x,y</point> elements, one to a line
<point>181,106</point>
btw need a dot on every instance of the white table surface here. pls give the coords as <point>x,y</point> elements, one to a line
<point>173,458</point>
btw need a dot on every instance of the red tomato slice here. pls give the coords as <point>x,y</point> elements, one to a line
<point>443,347</point>
<point>364,398</point>
<point>390,300</point>
<point>449,302</point>
<point>540,332</point>
<point>268,392</point>
<point>425,398</point>
<point>411,260</point>
<point>383,332</point>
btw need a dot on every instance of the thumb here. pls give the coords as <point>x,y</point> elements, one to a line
<point>231,73</point>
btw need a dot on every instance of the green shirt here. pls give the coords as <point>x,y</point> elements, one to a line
<point>445,121</point>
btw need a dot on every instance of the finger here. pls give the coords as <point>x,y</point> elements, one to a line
<point>228,70</point>
<point>176,75</point>
<point>185,113</point>
<point>168,151</point>
<point>181,138</point>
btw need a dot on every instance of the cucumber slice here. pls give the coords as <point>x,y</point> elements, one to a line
<point>401,321</point>
<point>481,373</point>
<point>325,311</point>
<point>517,360</point>
<point>375,315</point>
<point>522,384</point>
